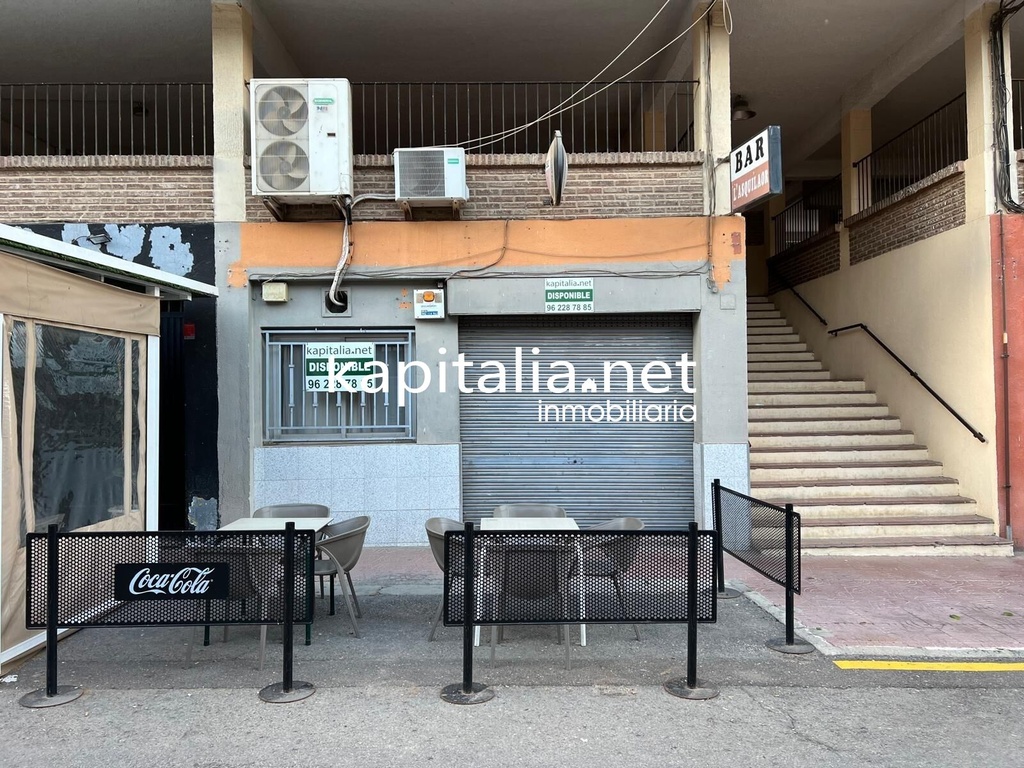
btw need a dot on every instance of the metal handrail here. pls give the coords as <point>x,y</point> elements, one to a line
<point>789,287</point>
<point>913,373</point>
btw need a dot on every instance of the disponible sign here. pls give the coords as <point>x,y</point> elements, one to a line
<point>569,294</point>
<point>756,169</point>
<point>348,363</point>
<point>170,581</point>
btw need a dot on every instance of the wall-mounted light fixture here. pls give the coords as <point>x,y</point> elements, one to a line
<point>741,109</point>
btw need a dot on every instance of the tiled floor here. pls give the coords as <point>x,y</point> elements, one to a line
<point>963,603</point>
<point>851,603</point>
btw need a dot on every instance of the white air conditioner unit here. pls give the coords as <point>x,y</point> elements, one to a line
<point>301,139</point>
<point>430,176</point>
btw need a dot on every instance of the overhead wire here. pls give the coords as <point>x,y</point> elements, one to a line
<point>478,143</point>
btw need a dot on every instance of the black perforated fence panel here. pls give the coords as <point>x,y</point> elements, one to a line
<point>755,532</point>
<point>253,587</point>
<point>594,577</point>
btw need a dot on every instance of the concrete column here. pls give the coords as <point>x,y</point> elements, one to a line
<point>856,143</point>
<point>232,70</point>
<point>979,169</point>
<point>713,100</point>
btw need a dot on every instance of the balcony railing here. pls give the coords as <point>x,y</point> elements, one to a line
<point>818,210</point>
<point>930,145</point>
<point>635,116</point>
<point>106,119</point>
<point>505,118</point>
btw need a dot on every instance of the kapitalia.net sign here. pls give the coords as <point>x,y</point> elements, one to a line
<point>171,581</point>
<point>353,359</point>
<point>567,295</point>
<point>756,169</point>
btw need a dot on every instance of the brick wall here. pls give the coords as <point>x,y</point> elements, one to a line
<point>929,207</point>
<point>634,185</point>
<point>811,259</point>
<point>108,188</point>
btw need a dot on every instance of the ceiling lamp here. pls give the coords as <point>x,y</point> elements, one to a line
<point>741,109</point>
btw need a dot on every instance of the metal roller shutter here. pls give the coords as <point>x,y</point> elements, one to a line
<point>595,469</point>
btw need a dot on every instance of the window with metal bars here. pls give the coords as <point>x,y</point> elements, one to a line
<point>299,403</point>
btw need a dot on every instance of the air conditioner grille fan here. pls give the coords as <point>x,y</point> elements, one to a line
<point>283,110</point>
<point>422,174</point>
<point>284,166</point>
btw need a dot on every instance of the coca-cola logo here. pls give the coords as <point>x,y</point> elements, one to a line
<point>164,581</point>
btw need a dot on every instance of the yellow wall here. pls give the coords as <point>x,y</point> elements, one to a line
<point>931,303</point>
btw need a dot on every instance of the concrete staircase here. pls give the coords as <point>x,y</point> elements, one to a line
<point>860,482</point>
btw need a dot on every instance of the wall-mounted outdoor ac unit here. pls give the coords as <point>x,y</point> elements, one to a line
<point>301,139</point>
<point>430,177</point>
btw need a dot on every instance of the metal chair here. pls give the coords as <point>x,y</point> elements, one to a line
<point>436,526</point>
<point>611,557</point>
<point>529,510</point>
<point>343,544</point>
<point>533,574</point>
<point>293,510</point>
<point>296,510</point>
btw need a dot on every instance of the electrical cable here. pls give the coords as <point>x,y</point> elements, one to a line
<point>1000,97</point>
<point>469,143</point>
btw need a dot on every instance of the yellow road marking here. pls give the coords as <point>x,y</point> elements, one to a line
<point>933,666</point>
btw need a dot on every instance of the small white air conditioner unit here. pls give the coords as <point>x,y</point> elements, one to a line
<point>430,176</point>
<point>301,139</point>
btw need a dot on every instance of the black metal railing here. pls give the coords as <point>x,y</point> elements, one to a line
<point>521,117</point>
<point>934,143</point>
<point>571,577</point>
<point>165,578</point>
<point>818,210</point>
<point>765,537</point>
<point>914,374</point>
<point>80,119</point>
<point>778,273</point>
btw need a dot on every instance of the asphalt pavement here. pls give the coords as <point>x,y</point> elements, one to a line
<point>377,700</point>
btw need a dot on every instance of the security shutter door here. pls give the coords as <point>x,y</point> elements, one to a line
<point>539,447</point>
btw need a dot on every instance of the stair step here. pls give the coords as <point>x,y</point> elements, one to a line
<point>769,331</point>
<point>809,440</point>
<point>854,424</point>
<point>872,528</point>
<point>768,375</point>
<point>798,491</point>
<point>762,347</point>
<point>933,546</point>
<point>814,399</point>
<point>800,387</point>
<point>815,472</point>
<point>784,366</point>
<point>781,356</point>
<point>874,508</point>
<point>826,412</point>
<point>842,455</point>
<point>765,322</point>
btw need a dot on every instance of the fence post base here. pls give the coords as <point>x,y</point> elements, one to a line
<point>478,694</point>
<point>678,687</point>
<point>276,694</point>
<point>728,593</point>
<point>39,699</point>
<point>796,647</point>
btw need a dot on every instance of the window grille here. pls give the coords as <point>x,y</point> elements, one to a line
<point>301,407</point>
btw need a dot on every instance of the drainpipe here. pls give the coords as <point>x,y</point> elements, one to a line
<point>1007,528</point>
